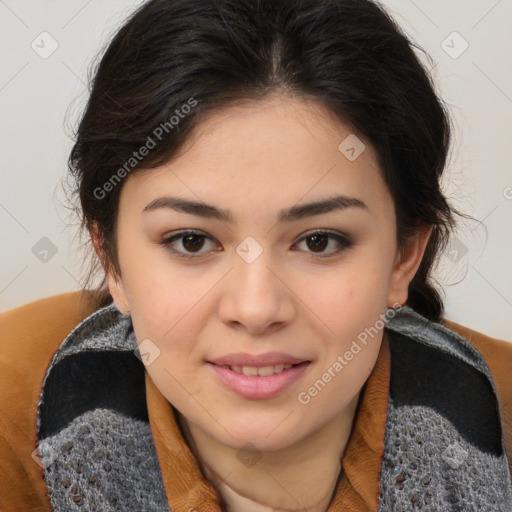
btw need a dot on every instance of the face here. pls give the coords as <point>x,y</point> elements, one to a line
<point>261,280</point>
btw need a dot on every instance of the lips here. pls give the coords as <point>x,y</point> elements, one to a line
<point>256,386</point>
<point>267,359</point>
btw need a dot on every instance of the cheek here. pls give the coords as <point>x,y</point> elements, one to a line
<point>170,318</point>
<point>349,300</point>
<point>352,307</point>
<point>161,298</point>
<point>172,309</point>
<point>172,321</point>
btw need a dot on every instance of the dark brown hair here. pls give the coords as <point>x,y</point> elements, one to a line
<point>349,55</point>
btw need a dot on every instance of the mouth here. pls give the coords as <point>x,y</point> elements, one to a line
<point>262,371</point>
<point>259,382</point>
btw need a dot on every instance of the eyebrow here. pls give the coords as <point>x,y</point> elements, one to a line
<point>200,209</point>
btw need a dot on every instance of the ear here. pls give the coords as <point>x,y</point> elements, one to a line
<point>114,282</point>
<point>407,263</point>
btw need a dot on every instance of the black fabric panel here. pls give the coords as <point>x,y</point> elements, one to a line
<point>90,380</point>
<point>422,375</point>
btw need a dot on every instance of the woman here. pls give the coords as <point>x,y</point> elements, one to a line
<point>260,182</point>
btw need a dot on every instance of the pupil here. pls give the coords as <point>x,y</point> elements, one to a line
<point>316,243</point>
<point>188,240</point>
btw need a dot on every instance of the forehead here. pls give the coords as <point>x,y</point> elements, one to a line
<point>263,153</point>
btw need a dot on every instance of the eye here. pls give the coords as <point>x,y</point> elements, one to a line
<point>192,242</point>
<point>317,241</point>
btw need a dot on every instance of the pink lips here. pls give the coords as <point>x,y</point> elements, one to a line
<point>256,386</point>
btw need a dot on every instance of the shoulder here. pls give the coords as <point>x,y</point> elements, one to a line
<point>446,417</point>
<point>448,340</point>
<point>43,323</point>
<point>496,352</point>
<point>462,374</point>
<point>30,334</point>
<point>29,337</point>
<point>498,356</point>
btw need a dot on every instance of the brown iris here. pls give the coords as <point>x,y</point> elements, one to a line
<point>190,242</point>
<point>318,243</point>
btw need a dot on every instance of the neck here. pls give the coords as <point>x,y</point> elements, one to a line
<point>302,476</point>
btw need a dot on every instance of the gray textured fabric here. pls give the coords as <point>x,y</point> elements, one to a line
<point>438,470</point>
<point>427,464</point>
<point>105,460</point>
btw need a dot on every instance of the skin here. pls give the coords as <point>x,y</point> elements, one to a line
<point>256,158</point>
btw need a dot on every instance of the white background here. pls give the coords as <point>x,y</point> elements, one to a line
<point>40,100</point>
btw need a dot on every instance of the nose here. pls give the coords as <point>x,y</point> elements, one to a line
<point>257,297</point>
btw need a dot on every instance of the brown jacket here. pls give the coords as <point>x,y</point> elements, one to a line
<point>31,334</point>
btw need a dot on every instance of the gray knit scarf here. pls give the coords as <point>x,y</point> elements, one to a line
<point>443,451</point>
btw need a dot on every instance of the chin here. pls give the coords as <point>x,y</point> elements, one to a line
<point>259,436</point>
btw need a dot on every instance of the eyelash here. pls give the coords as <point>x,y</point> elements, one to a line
<point>344,242</point>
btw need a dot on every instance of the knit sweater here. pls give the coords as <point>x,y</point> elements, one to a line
<point>443,447</point>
